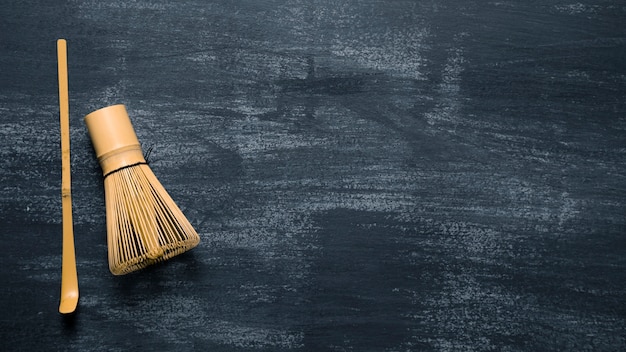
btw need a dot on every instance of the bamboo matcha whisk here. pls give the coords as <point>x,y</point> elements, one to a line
<point>144,225</point>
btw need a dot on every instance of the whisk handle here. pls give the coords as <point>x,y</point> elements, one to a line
<point>114,138</point>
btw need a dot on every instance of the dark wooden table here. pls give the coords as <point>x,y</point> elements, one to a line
<point>364,175</point>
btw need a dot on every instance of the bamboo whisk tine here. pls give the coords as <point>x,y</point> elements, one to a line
<point>144,225</point>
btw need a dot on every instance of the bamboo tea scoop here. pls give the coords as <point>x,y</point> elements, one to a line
<point>69,278</point>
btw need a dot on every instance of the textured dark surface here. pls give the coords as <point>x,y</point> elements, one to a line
<point>364,175</point>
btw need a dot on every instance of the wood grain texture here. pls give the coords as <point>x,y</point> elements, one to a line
<point>364,175</point>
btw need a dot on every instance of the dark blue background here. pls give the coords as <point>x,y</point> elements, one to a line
<point>364,175</point>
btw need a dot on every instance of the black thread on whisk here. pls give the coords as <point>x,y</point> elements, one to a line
<point>125,167</point>
<point>147,154</point>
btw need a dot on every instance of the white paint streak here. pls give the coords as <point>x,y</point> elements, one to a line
<point>446,113</point>
<point>400,52</point>
<point>192,321</point>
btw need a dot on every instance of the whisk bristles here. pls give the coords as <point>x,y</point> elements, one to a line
<point>144,225</point>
